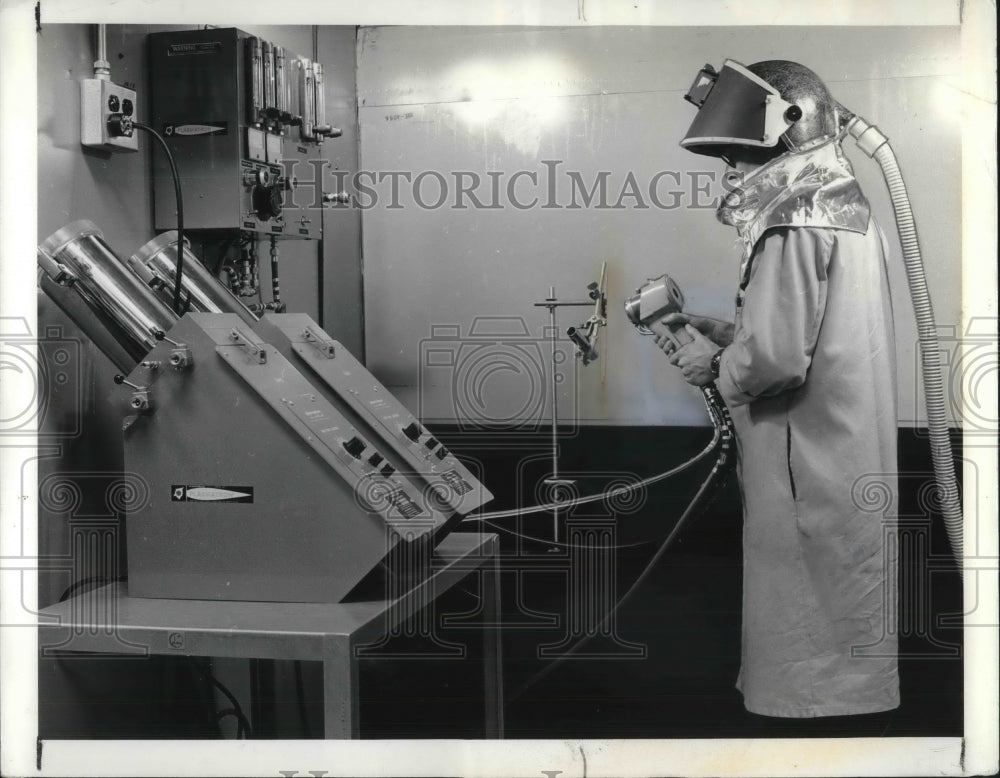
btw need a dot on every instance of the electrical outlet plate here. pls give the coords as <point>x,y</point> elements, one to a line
<point>98,100</point>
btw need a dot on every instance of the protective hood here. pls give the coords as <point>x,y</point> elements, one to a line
<point>736,107</point>
<point>814,188</point>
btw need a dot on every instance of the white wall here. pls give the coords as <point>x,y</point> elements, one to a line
<point>609,99</point>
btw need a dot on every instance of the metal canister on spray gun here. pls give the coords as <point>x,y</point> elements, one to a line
<point>655,299</point>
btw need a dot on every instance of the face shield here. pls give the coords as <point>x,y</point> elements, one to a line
<point>735,108</point>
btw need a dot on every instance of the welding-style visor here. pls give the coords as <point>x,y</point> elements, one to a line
<point>735,107</point>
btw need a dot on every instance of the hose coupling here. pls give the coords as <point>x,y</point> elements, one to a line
<point>868,137</point>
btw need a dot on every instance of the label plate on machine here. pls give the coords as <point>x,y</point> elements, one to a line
<point>212,494</point>
<point>190,129</point>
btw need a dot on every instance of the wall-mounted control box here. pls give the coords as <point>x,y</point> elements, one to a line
<point>240,117</point>
<point>107,111</point>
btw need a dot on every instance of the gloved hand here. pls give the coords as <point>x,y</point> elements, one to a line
<point>714,329</point>
<point>695,358</point>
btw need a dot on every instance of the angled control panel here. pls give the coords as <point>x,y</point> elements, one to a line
<point>361,396</point>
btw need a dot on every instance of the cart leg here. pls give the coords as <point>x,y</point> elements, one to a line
<point>340,692</point>
<point>262,698</point>
<point>492,648</point>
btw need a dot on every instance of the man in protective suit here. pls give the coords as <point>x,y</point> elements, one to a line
<point>808,372</point>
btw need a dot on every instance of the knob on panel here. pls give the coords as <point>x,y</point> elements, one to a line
<point>259,177</point>
<point>267,201</point>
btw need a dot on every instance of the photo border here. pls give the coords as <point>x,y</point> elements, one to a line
<point>972,754</point>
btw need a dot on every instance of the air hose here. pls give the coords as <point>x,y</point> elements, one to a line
<point>723,439</point>
<point>876,145</point>
<point>723,433</point>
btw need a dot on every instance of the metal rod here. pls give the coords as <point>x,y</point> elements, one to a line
<point>102,42</point>
<point>555,412</point>
<point>102,68</point>
<point>320,276</point>
<point>552,303</point>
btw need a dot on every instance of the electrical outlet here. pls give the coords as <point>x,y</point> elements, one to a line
<point>107,111</point>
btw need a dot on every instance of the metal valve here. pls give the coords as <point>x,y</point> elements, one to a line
<point>258,177</point>
<point>141,399</point>
<point>180,356</point>
<point>341,198</point>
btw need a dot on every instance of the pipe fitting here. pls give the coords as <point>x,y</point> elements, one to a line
<point>868,137</point>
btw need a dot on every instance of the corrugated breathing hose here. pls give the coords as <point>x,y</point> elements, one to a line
<point>876,145</point>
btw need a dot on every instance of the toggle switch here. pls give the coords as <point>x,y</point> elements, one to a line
<point>354,447</point>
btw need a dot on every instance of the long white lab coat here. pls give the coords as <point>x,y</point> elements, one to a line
<point>810,382</point>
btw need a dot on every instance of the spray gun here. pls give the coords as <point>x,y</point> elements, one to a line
<point>655,299</point>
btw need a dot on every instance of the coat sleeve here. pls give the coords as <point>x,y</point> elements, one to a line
<point>782,310</point>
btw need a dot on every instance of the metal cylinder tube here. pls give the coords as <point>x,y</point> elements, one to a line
<point>320,100</point>
<point>281,83</point>
<point>254,80</point>
<point>156,264</point>
<point>90,322</point>
<point>307,99</point>
<point>293,74</point>
<point>270,101</point>
<point>128,308</point>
